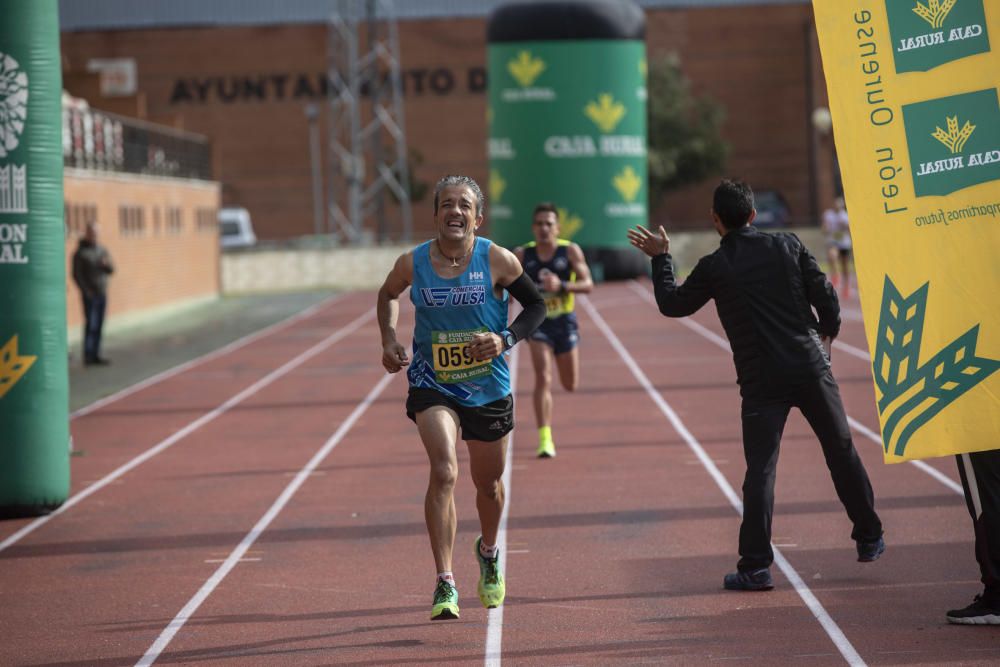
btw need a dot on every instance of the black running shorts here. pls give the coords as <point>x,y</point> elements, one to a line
<point>488,422</point>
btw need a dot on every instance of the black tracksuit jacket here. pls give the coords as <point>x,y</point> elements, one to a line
<point>765,287</point>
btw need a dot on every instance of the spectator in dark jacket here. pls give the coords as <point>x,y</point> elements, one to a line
<point>765,288</point>
<point>91,268</point>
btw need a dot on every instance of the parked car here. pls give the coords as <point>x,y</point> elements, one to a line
<point>235,228</point>
<point>772,209</point>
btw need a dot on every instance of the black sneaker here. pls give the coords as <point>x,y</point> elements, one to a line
<point>753,580</point>
<point>870,551</point>
<point>977,613</point>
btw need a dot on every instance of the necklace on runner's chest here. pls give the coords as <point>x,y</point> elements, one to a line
<point>454,260</point>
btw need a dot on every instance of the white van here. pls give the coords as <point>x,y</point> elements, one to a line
<point>235,228</point>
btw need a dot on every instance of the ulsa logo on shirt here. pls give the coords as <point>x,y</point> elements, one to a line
<point>466,295</point>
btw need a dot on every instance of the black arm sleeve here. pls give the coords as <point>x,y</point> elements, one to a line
<point>533,314</point>
<point>674,301</point>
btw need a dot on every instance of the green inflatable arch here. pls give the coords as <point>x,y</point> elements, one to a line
<point>34,392</point>
<point>567,124</point>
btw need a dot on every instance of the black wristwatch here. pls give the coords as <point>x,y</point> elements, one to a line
<point>508,339</point>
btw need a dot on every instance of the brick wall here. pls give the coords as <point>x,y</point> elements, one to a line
<point>162,255</point>
<point>243,87</point>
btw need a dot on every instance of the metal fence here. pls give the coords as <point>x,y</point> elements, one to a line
<point>104,141</point>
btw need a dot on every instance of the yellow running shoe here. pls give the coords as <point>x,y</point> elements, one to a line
<point>492,588</point>
<point>546,449</point>
<point>445,602</point>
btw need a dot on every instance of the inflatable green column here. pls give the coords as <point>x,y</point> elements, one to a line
<point>567,124</point>
<point>34,392</point>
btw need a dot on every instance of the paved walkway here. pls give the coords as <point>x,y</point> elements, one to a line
<point>143,350</point>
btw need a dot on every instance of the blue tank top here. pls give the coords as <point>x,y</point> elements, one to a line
<point>449,312</point>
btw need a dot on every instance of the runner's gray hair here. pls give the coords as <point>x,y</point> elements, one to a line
<point>452,180</point>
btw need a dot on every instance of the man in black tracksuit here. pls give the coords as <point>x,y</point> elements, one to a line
<point>765,287</point>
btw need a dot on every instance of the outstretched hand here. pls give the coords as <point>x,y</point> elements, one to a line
<point>652,244</point>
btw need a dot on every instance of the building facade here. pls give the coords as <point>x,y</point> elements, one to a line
<point>245,76</point>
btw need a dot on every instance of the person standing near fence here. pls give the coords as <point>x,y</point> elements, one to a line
<point>91,267</point>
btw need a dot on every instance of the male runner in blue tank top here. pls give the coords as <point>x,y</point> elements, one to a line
<point>458,375</point>
<point>559,269</point>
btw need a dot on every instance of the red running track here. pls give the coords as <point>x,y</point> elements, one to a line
<point>264,506</point>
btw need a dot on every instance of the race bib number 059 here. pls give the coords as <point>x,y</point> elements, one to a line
<point>452,361</point>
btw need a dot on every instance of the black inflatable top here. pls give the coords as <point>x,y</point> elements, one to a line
<point>585,19</point>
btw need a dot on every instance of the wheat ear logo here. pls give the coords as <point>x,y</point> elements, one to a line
<point>934,12</point>
<point>525,69</point>
<point>954,138</point>
<point>497,185</point>
<point>627,183</point>
<point>606,113</point>
<point>12,365</point>
<point>913,394</point>
<point>569,223</point>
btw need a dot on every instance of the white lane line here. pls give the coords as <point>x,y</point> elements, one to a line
<point>853,351</point>
<point>234,345</point>
<point>854,423</point>
<point>494,624</point>
<point>921,465</point>
<point>190,428</point>
<point>239,552</point>
<point>819,612</point>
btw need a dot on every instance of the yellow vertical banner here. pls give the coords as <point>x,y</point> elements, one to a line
<point>913,88</point>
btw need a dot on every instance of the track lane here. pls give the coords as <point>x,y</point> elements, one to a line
<point>135,553</point>
<point>325,607</point>
<point>112,441</point>
<point>620,540</point>
<point>243,341</point>
<point>927,532</point>
<point>833,631</point>
<point>616,548</point>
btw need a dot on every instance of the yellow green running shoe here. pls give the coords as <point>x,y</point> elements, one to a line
<point>492,588</point>
<point>546,449</point>
<point>445,602</point>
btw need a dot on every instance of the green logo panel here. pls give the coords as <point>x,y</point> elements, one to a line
<point>912,394</point>
<point>954,142</point>
<point>568,125</point>
<point>930,33</point>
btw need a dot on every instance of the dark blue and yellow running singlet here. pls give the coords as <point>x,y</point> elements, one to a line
<point>556,304</point>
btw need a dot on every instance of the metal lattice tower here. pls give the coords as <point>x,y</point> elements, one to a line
<point>367,139</point>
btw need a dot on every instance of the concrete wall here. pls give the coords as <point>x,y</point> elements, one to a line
<point>162,235</point>
<point>365,268</point>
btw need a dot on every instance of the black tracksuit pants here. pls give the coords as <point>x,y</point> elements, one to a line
<point>980,473</point>
<point>764,414</point>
